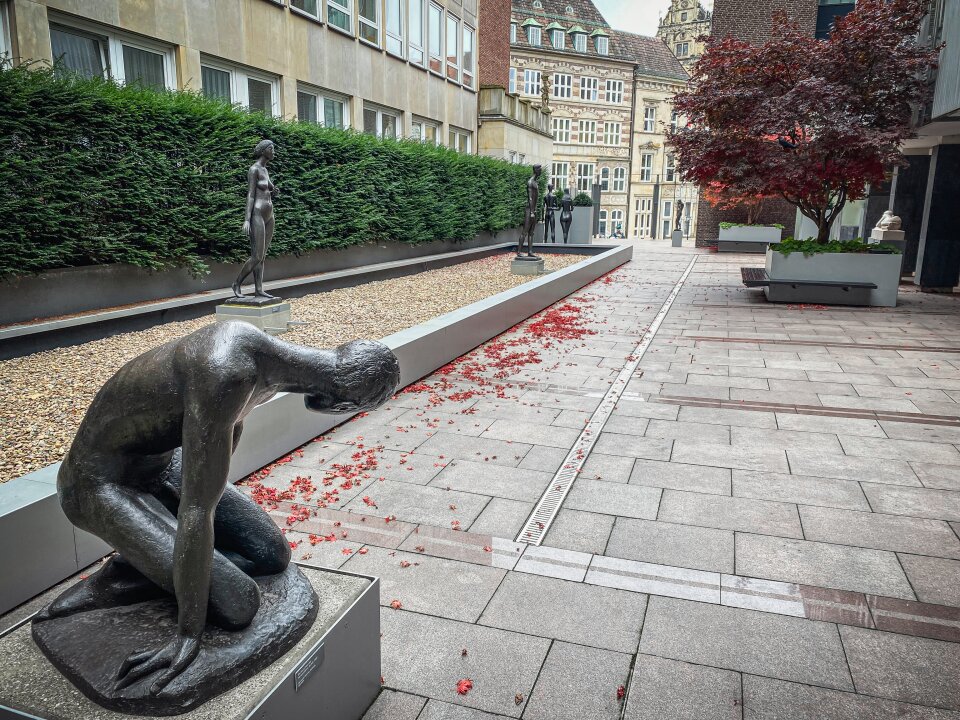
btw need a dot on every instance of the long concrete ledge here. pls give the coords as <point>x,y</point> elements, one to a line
<point>44,547</point>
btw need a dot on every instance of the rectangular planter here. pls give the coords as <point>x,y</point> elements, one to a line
<point>581,229</point>
<point>880,269</point>
<point>748,238</point>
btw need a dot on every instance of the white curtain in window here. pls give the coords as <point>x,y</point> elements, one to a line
<point>306,107</point>
<point>143,66</point>
<point>260,96</point>
<point>81,54</point>
<point>215,83</point>
<point>332,113</point>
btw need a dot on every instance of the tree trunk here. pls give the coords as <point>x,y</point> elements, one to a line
<point>823,232</point>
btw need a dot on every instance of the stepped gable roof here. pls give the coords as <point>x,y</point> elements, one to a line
<point>650,54</point>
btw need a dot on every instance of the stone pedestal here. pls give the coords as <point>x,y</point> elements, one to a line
<point>677,238</point>
<point>894,238</point>
<point>524,265</point>
<point>271,315</point>
<point>333,672</point>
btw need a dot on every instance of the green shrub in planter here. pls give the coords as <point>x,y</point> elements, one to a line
<point>811,247</point>
<point>583,200</point>
<point>728,225</point>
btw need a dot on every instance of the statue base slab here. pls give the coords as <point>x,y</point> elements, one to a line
<point>325,665</point>
<point>527,265</point>
<point>878,235</point>
<point>271,315</point>
<point>676,238</point>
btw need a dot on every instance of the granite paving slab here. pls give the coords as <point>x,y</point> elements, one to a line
<point>917,502</point>
<point>669,544</point>
<point>502,518</point>
<point>419,504</point>
<point>632,446</point>
<point>577,530</point>
<point>935,580</point>
<point>678,476</point>
<point>494,480</point>
<point>436,710</point>
<point>881,531</point>
<point>543,459</point>
<point>496,452</point>
<point>393,705</point>
<point>670,690</point>
<point>843,467</point>
<point>730,513</point>
<point>614,498</point>
<point>722,416</point>
<point>730,456</point>
<point>611,468</point>
<point>799,489</point>
<point>939,477</point>
<point>531,433</point>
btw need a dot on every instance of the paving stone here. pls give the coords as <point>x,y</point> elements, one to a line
<point>497,452</point>
<point>698,391</point>
<point>670,690</point>
<point>316,455</point>
<point>632,446</point>
<point>582,531</point>
<point>767,372</point>
<point>880,531</point>
<point>627,425</point>
<point>488,407</point>
<point>730,513</point>
<point>614,499</point>
<point>919,502</point>
<point>654,579</point>
<point>578,682</point>
<point>855,378</point>
<point>940,477</point>
<point>678,476</point>
<point>920,431</point>
<point>941,453</point>
<point>768,698</point>
<point>323,554</point>
<point>723,416</point>
<point>445,588</point>
<point>643,409</point>
<point>904,668</point>
<point>437,710</point>
<point>821,564</point>
<point>700,432</point>
<point>668,544</point>
<point>575,419</point>
<point>610,468</point>
<point>745,640</point>
<point>706,380</point>
<point>555,401</point>
<point>416,468</point>
<point>554,562</point>
<point>404,439</point>
<point>496,480</point>
<point>803,441</point>
<point>730,456</point>
<point>429,419</point>
<point>502,518</point>
<point>543,459</point>
<point>934,580</point>
<point>799,489</point>
<point>422,655</point>
<point>393,705</point>
<point>557,609</point>
<point>417,504</point>
<point>532,433</point>
<point>893,472</point>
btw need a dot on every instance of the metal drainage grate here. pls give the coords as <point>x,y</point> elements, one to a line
<point>546,509</point>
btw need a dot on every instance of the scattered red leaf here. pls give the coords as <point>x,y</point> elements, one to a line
<point>464,686</point>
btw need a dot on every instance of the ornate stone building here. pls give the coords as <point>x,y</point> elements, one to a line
<point>685,21</point>
<point>603,85</point>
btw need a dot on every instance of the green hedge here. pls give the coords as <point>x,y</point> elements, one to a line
<point>93,173</point>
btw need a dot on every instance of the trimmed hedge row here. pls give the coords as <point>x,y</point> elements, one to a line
<point>94,173</point>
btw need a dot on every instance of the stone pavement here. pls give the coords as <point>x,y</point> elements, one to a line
<point>766,525</point>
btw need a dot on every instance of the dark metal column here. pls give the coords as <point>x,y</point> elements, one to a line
<point>907,193</point>
<point>938,257</point>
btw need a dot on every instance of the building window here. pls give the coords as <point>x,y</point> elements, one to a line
<point>674,120</point>
<point>649,119</point>
<point>382,122</point>
<point>531,82</point>
<point>467,58</point>
<point>603,222</point>
<point>453,48</point>
<point>683,17</point>
<point>585,177</point>
<point>425,131</point>
<point>85,51</point>
<point>435,37</point>
<point>513,81</point>
<point>589,88</point>
<point>560,175</point>
<point>415,21</point>
<point>322,108</point>
<point>605,179</point>
<point>533,35</point>
<point>683,49</point>
<point>5,47</point>
<point>561,130</point>
<point>558,38</point>
<point>513,32</point>
<point>339,14</point>
<point>254,91</point>
<point>614,92</point>
<point>580,42</point>
<point>643,219</point>
<point>620,179</point>
<point>669,168</point>
<point>369,11</point>
<point>587,133</point>
<point>460,140</point>
<point>394,15</point>
<point>562,85</point>
<point>616,221</point>
<point>611,134</point>
<point>310,7</point>
<point>603,45</point>
<point>667,218</point>
<point>513,157</point>
<point>646,167</point>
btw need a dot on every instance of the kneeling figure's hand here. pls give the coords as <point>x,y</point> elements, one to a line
<point>175,656</point>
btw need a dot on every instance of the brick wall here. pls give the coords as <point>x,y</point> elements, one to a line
<point>709,219</point>
<point>493,38</point>
<point>751,20</point>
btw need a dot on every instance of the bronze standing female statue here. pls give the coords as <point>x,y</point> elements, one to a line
<point>549,207</point>
<point>258,221</point>
<point>566,213</point>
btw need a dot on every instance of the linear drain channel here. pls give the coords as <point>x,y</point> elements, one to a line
<point>546,509</point>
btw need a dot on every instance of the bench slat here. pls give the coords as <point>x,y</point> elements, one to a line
<point>757,277</point>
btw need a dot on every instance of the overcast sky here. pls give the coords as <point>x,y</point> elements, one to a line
<point>636,16</point>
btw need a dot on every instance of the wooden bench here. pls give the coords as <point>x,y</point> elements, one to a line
<point>757,277</point>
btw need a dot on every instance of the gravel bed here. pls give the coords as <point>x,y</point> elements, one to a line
<point>43,396</point>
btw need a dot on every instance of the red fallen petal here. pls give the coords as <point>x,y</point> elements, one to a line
<point>419,548</point>
<point>621,692</point>
<point>362,551</point>
<point>382,681</point>
<point>404,564</point>
<point>464,686</point>
<point>517,699</point>
<point>487,548</point>
<point>396,604</point>
<point>463,653</point>
<point>347,551</point>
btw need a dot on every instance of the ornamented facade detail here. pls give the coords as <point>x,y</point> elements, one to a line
<point>685,21</point>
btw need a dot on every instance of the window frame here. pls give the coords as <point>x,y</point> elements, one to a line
<point>381,111</point>
<point>586,82</point>
<point>613,89</point>
<point>561,129</point>
<point>376,24</point>
<point>539,31</point>
<point>590,127</point>
<point>435,61</point>
<point>616,133</point>
<point>616,218</point>
<point>459,133</point>
<point>397,37</point>
<point>682,49</point>
<point>669,167</point>
<point>580,42</point>
<point>413,47</point>
<point>649,118</point>
<point>467,78</point>
<point>530,83</point>
<point>6,43</point>
<point>319,95</point>
<point>602,45</point>
<point>425,123</point>
<point>344,6</point>
<point>605,179</point>
<point>306,13</point>
<point>553,39</point>
<point>586,187</point>
<point>646,168</point>
<point>455,65</point>
<point>556,178</point>
<point>567,85</point>
<point>643,217</point>
<point>666,216</point>
<point>512,82</point>
<point>513,33</point>
<point>239,87</point>
<point>602,222</point>
<point>619,179</point>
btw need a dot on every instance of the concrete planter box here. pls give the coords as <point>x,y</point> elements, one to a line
<point>748,238</point>
<point>881,269</point>
<point>581,229</point>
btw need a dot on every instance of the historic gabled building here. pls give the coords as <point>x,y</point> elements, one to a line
<point>685,21</point>
<point>600,85</point>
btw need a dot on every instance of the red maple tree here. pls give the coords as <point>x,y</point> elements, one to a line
<point>811,121</point>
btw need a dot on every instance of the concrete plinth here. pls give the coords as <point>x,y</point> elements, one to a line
<point>271,316</point>
<point>677,238</point>
<point>894,238</point>
<point>527,266</point>
<point>333,672</point>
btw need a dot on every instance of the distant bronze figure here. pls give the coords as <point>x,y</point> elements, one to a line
<point>679,218</point>
<point>258,221</point>
<point>549,207</point>
<point>530,219</point>
<point>566,214</point>
<point>148,473</point>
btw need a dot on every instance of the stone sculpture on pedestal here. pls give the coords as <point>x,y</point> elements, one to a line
<point>200,595</point>
<point>529,264</point>
<point>566,213</point>
<point>888,231</point>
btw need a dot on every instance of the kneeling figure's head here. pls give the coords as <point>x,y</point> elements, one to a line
<point>366,376</point>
